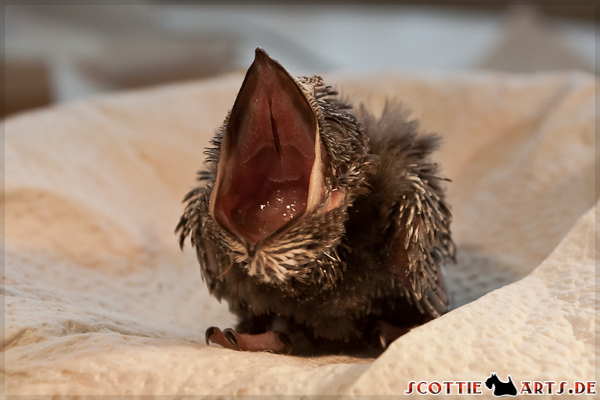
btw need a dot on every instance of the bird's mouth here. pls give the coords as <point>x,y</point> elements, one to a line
<point>271,167</point>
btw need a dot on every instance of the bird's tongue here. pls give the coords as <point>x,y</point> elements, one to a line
<point>268,154</point>
<point>272,207</point>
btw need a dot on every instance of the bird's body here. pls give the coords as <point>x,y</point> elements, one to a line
<point>327,227</point>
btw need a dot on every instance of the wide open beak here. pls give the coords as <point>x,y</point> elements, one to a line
<point>271,170</point>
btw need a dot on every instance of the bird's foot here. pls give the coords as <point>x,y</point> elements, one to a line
<point>271,342</point>
<point>387,333</point>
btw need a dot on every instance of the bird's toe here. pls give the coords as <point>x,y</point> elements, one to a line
<point>270,342</point>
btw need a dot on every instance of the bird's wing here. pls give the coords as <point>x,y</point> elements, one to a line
<point>421,242</point>
<point>411,196</point>
<point>192,224</point>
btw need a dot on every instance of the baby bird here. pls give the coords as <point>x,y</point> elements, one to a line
<point>325,231</point>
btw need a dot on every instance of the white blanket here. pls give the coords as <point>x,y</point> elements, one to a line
<point>100,300</point>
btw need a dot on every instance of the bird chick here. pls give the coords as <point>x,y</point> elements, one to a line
<point>324,231</point>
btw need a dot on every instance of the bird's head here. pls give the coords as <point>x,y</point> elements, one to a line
<point>287,163</point>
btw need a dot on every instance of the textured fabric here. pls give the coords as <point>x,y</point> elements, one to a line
<point>99,299</point>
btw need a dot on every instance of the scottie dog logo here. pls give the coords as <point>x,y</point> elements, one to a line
<point>501,388</point>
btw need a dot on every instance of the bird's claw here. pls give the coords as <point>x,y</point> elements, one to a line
<point>215,335</point>
<point>287,343</point>
<point>231,337</point>
<point>381,337</point>
<point>386,333</point>
<point>208,334</point>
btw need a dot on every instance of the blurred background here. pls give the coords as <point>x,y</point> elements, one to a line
<point>60,52</point>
